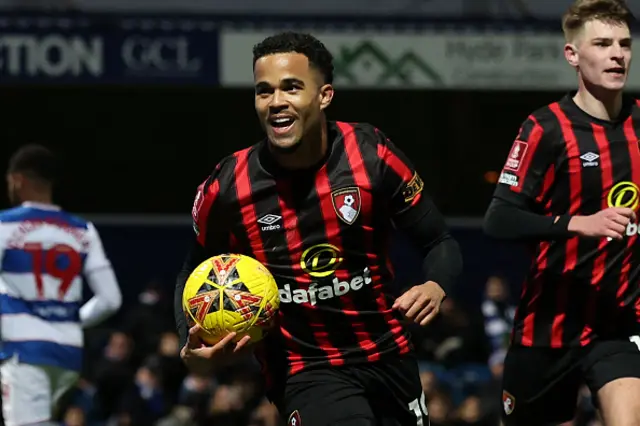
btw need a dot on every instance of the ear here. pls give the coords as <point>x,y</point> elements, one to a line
<point>18,180</point>
<point>326,96</point>
<point>11,178</point>
<point>571,54</point>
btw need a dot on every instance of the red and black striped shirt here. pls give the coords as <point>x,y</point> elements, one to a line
<point>324,235</point>
<point>566,162</point>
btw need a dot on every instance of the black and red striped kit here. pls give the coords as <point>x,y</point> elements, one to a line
<point>565,162</point>
<point>577,320</point>
<point>324,233</point>
<point>324,237</point>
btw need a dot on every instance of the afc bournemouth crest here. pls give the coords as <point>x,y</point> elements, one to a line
<point>508,402</point>
<point>294,419</point>
<point>346,202</point>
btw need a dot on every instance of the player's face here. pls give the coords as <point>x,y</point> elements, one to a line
<point>602,54</point>
<point>290,97</point>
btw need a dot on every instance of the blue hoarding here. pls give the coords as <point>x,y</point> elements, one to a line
<point>106,49</point>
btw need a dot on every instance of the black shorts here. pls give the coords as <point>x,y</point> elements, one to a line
<point>541,385</point>
<point>386,393</point>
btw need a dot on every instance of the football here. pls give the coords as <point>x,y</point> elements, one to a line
<point>231,292</point>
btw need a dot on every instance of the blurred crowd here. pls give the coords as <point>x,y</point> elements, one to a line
<point>134,375</point>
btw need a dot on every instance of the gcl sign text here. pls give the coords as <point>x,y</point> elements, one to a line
<point>159,54</point>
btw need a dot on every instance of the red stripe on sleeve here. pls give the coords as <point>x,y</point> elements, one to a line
<point>201,207</point>
<point>530,147</point>
<point>394,163</point>
<point>398,166</point>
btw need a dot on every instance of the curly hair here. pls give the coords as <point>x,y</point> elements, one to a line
<point>35,161</point>
<point>288,42</point>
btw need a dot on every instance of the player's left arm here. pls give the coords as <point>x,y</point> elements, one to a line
<point>102,280</point>
<point>414,213</point>
<point>211,239</point>
<point>208,241</point>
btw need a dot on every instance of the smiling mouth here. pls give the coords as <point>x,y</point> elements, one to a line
<point>282,125</point>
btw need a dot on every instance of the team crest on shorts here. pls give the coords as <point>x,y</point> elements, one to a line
<point>294,419</point>
<point>508,402</point>
<point>346,203</point>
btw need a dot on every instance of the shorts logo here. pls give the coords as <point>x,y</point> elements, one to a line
<point>346,203</point>
<point>508,402</point>
<point>518,150</point>
<point>294,419</point>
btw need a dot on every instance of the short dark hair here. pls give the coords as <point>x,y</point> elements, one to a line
<point>583,11</point>
<point>306,44</point>
<point>35,161</point>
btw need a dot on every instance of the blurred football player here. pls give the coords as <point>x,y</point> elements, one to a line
<point>44,253</point>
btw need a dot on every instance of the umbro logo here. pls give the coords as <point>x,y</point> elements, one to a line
<point>589,159</point>
<point>270,220</point>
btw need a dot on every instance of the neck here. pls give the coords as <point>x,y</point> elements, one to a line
<point>599,103</point>
<point>39,198</point>
<point>311,150</point>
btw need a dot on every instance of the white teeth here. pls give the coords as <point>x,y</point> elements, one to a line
<point>282,120</point>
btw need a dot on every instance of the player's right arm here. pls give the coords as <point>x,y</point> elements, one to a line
<point>515,212</point>
<point>102,280</point>
<point>195,256</point>
<point>211,238</point>
<point>207,242</point>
